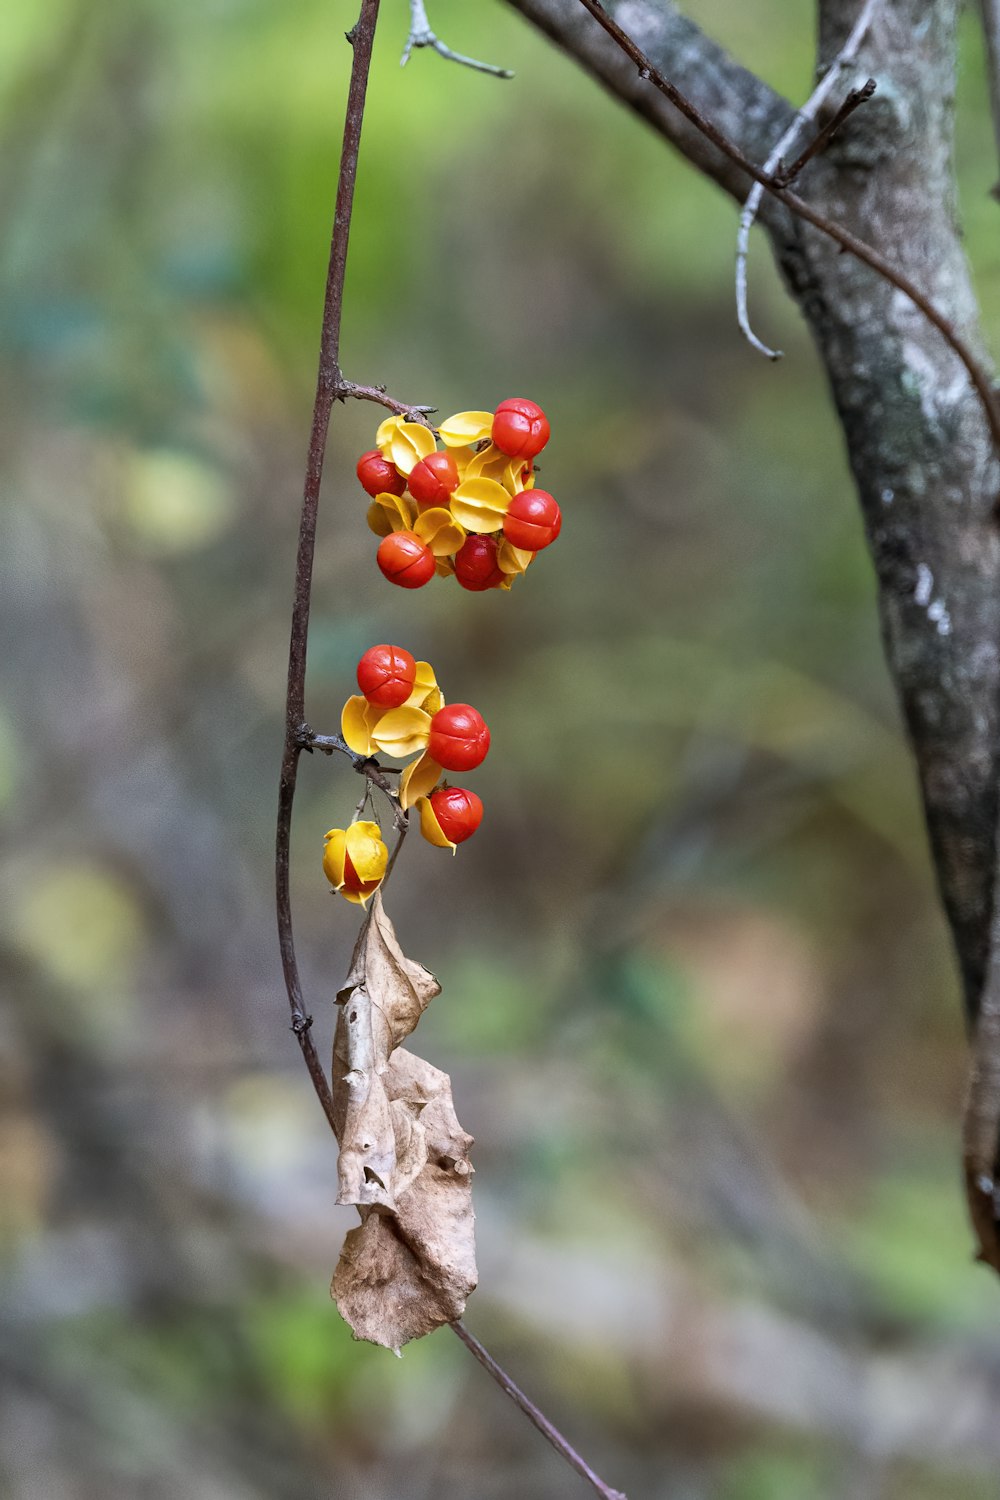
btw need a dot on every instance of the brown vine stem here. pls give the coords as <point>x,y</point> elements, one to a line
<point>798,206</point>
<point>330,387</point>
<point>531,1411</point>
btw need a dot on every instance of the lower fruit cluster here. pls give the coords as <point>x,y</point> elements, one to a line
<point>400,711</point>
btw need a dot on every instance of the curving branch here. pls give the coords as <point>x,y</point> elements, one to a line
<point>745,109</point>
<point>921,446</point>
<point>923,457</point>
<point>775,185</point>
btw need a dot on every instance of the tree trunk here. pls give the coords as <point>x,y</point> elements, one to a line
<point>920,450</point>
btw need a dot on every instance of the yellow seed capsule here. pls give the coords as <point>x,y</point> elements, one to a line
<point>402,731</point>
<point>441,532</point>
<point>418,780</point>
<point>391,513</point>
<point>355,860</point>
<point>480,504</point>
<point>411,442</point>
<point>466,427</point>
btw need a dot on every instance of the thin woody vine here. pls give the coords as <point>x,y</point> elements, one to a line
<point>470,510</point>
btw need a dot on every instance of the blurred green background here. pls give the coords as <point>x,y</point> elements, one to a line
<point>699,1004</point>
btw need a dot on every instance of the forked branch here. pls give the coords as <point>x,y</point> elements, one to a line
<point>796,205</point>
<point>422,35</point>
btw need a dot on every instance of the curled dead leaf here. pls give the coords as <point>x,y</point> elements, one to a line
<point>410,1266</point>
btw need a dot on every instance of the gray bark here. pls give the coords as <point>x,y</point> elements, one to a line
<point>917,439</point>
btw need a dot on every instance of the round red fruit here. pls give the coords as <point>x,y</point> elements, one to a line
<point>404,559</point>
<point>520,428</point>
<point>533,520</point>
<point>476,564</point>
<point>353,881</point>
<point>459,738</point>
<point>459,813</point>
<point>379,476</point>
<point>434,479</point>
<point>386,675</point>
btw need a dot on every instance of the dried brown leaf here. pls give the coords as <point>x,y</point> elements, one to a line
<point>410,1266</point>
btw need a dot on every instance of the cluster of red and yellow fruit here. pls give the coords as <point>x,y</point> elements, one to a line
<point>470,509</point>
<point>401,711</point>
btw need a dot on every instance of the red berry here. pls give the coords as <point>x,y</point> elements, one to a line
<point>404,559</point>
<point>434,479</point>
<point>533,520</point>
<point>386,675</point>
<point>459,738</point>
<point>379,476</point>
<point>354,883</point>
<point>520,428</point>
<point>459,813</point>
<point>476,564</point>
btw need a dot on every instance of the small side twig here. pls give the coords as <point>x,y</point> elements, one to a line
<point>862,251</point>
<point>421,35</point>
<point>785,176</point>
<point>549,1432</point>
<point>805,116</point>
<point>365,765</point>
<point>377,394</point>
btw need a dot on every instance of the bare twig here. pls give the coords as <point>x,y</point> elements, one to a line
<point>549,1433</point>
<point>377,394</point>
<point>785,176</point>
<point>805,116</point>
<point>842,237</point>
<point>421,35</point>
<point>402,828</point>
<point>990,13</point>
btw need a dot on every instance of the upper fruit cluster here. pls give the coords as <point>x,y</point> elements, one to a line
<point>471,509</point>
